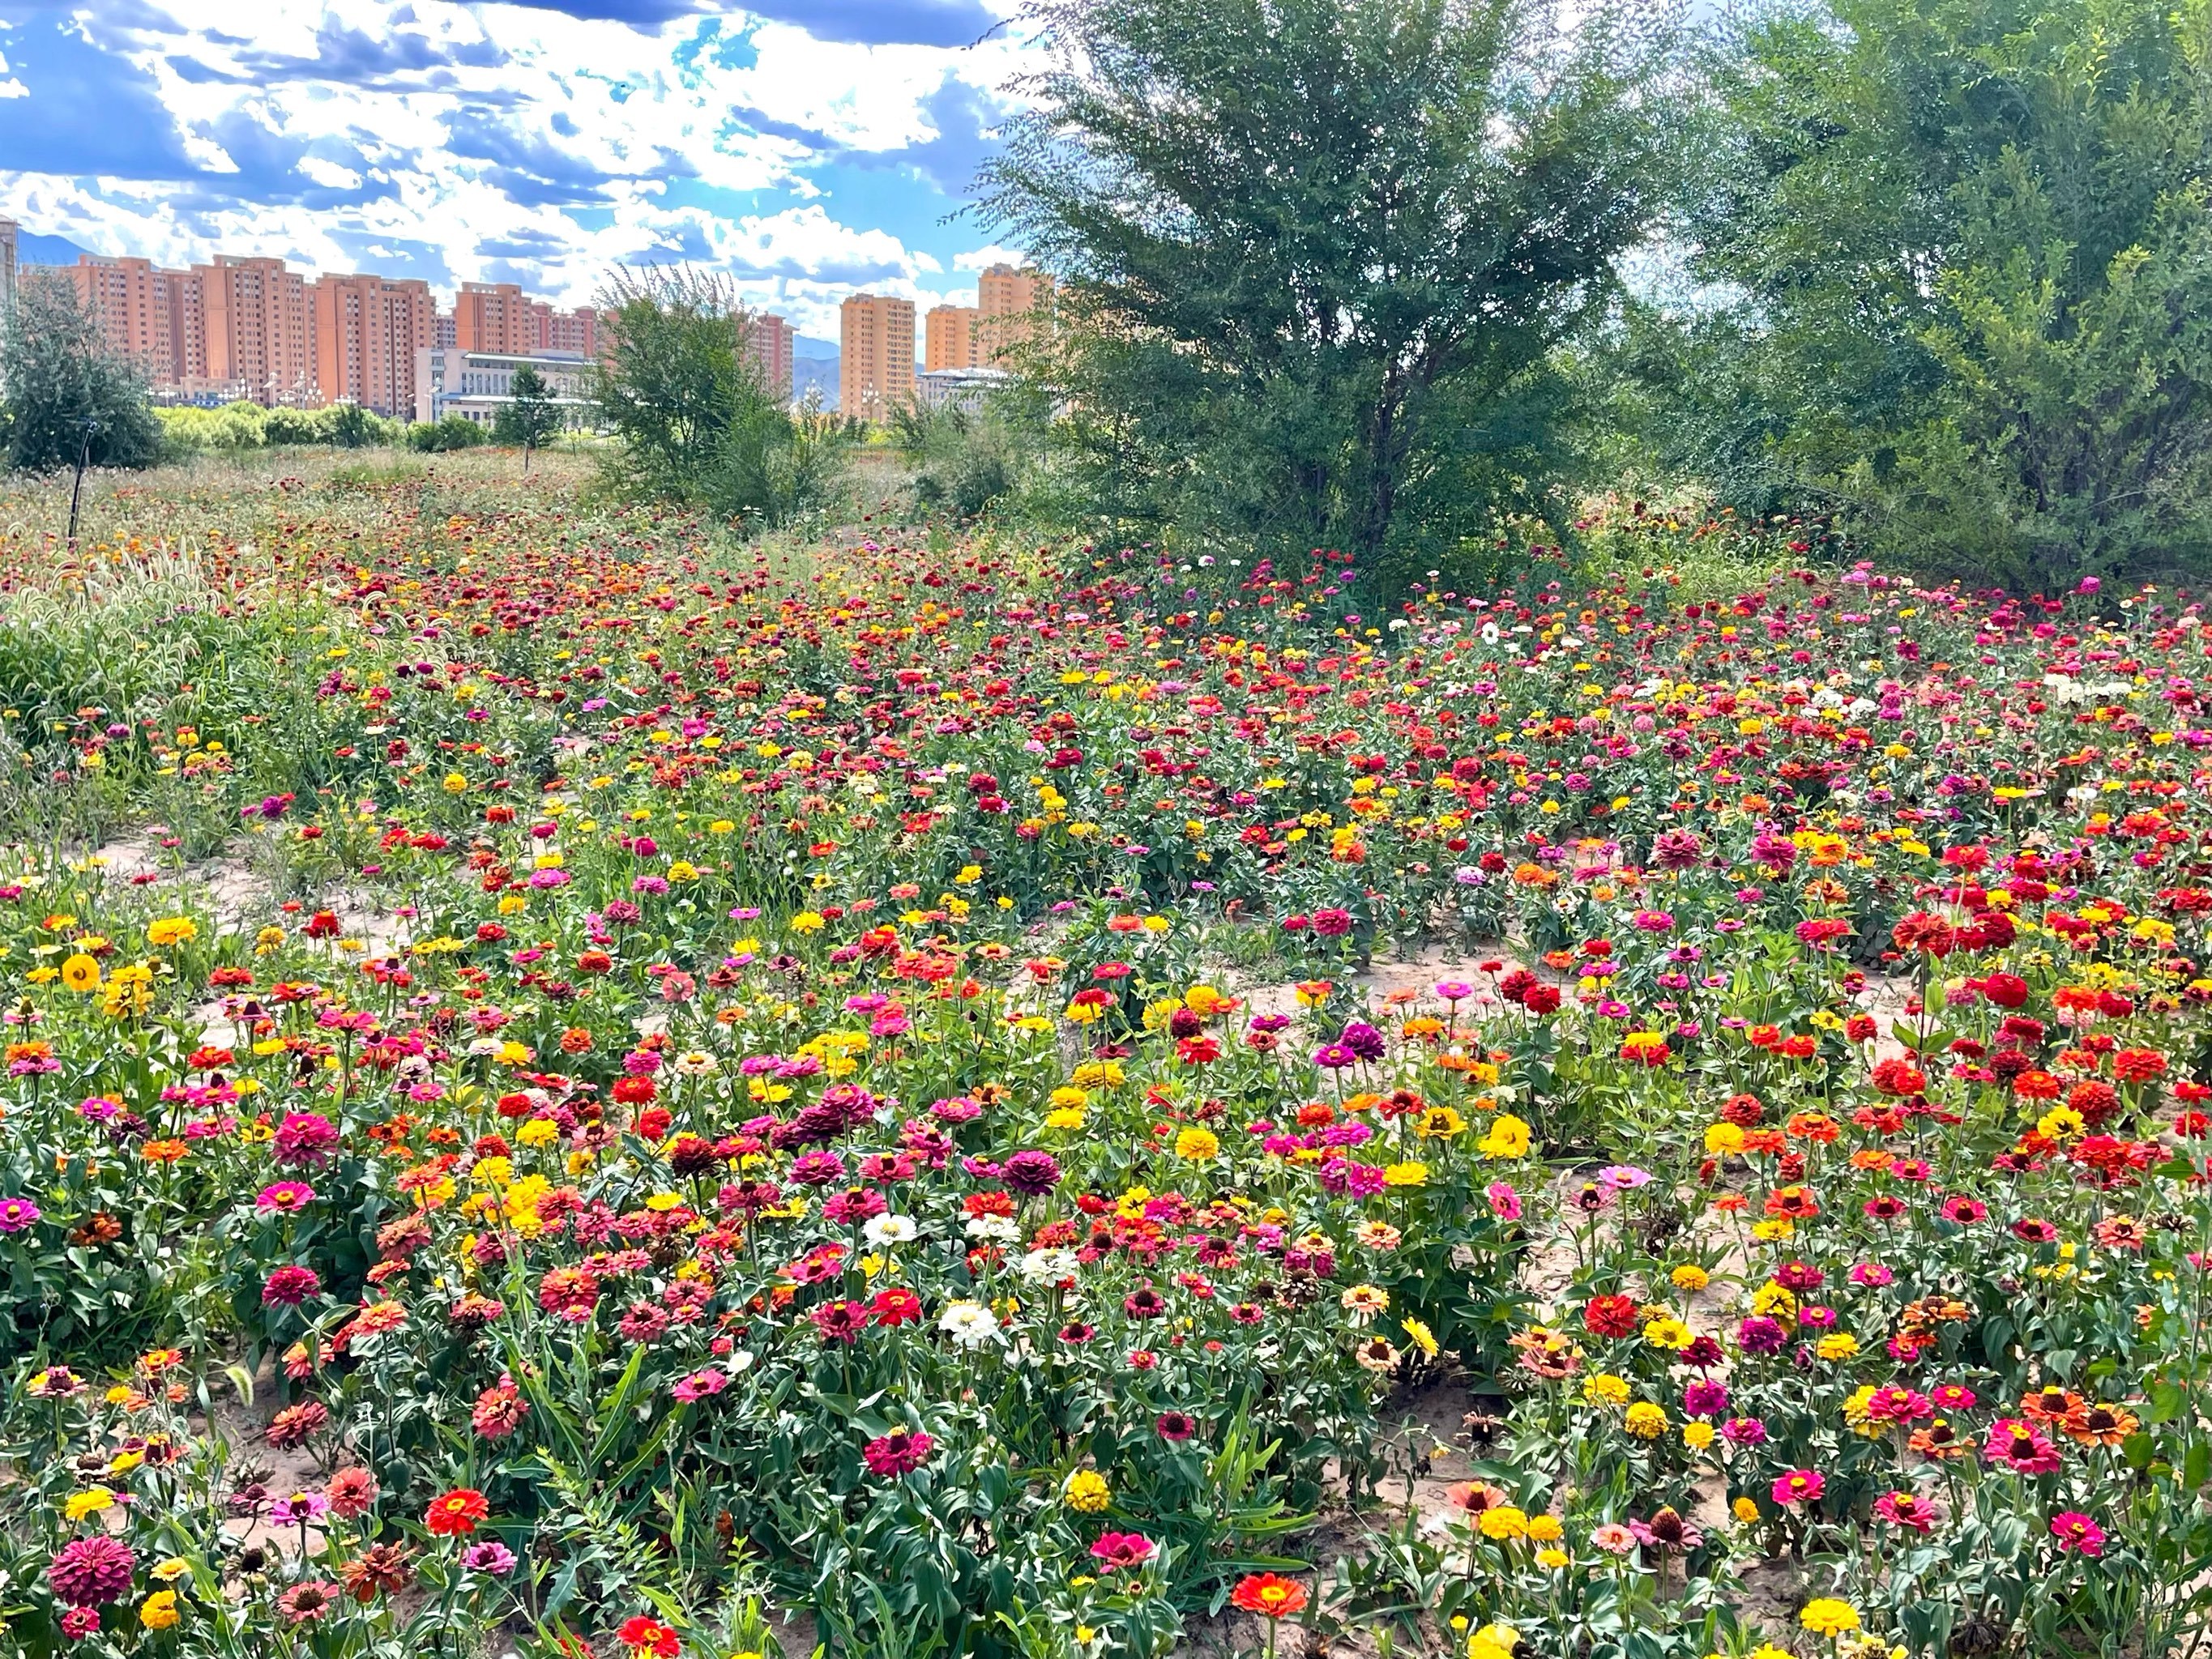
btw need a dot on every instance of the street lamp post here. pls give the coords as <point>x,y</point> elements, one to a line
<point>76,490</point>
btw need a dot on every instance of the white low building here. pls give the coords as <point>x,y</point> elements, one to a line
<point>963,389</point>
<point>477,385</point>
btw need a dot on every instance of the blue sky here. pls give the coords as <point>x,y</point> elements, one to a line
<point>807,147</point>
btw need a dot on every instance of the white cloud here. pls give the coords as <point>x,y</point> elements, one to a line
<point>467,140</point>
<point>982,259</point>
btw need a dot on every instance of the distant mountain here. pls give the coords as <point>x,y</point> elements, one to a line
<point>806,345</point>
<point>33,248</point>
<point>814,374</point>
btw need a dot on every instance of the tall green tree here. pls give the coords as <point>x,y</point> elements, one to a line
<point>62,392</point>
<point>1963,252</point>
<point>530,416</point>
<point>1318,253</point>
<point>696,417</point>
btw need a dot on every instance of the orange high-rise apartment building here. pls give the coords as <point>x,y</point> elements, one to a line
<point>565,332</point>
<point>954,339</point>
<point>768,342</point>
<point>875,366</point>
<point>494,317</point>
<point>140,309</point>
<point>367,330</point>
<point>254,315</point>
<point>1011,303</point>
<point>249,328</point>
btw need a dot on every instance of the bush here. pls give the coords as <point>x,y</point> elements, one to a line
<point>966,461</point>
<point>60,375</point>
<point>1968,272</point>
<point>697,421</point>
<point>237,427</point>
<point>449,432</point>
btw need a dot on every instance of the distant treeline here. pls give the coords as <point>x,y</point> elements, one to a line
<point>238,427</point>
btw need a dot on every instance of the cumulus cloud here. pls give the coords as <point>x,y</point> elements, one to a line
<point>807,147</point>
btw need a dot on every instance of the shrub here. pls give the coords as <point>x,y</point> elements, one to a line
<point>57,377</point>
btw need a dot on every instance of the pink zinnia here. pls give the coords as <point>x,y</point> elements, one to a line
<point>353,1492</point>
<point>308,1602</point>
<point>2022,1447</point>
<point>839,1321</point>
<point>88,1572</point>
<point>1905,1509</point>
<point>1800,1486</point>
<point>2076,1531</point>
<point>1116,1550</point>
<point>900,1452</point>
<point>305,1140</point>
<point>1897,1404</point>
<point>16,1214</point>
<point>284,1195</point>
<point>701,1384</point>
<point>289,1286</point>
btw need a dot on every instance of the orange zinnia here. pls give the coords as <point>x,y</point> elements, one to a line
<point>1269,1595</point>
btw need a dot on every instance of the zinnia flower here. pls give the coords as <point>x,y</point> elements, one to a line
<point>89,1572</point>
<point>900,1452</point>
<point>644,1636</point>
<point>1824,1615</point>
<point>2076,1532</point>
<point>307,1603</point>
<point>1115,1550</point>
<point>1905,1509</point>
<point>455,1514</point>
<point>2019,1446</point>
<point>1268,1594</point>
<point>289,1286</point>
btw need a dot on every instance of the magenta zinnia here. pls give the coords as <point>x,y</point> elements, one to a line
<point>87,1572</point>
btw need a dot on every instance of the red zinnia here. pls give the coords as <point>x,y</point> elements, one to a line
<point>895,1306</point>
<point>1611,1316</point>
<point>455,1514</point>
<point>642,1635</point>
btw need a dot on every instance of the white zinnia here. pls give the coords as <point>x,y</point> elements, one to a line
<point>885,1230</point>
<point>1050,1267</point>
<point>969,1324</point>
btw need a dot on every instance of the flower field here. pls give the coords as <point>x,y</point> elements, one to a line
<point>577,1089</point>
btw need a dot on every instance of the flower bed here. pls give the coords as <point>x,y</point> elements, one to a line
<point>757,1106</point>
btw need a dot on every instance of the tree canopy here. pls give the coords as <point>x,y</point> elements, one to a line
<point>530,416</point>
<point>60,385</point>
<point>698,421</point>
<point>1963,265</point>
<point>1318,253</point>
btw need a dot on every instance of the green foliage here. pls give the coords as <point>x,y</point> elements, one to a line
<point>967,460</point>
<point>698,423</point>
<point>447,433</point>
<point>1319,254</point>
<point>348,426</point>
<point>532,417</point>
<point>63,395</point>
<point>1967,271</point>
<point>236,428</point>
